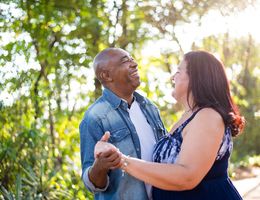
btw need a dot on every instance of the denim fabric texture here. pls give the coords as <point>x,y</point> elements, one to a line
<point>109,113</point>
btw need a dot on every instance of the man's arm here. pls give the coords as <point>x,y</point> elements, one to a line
<point>105,161</point>
<point>95,169</point>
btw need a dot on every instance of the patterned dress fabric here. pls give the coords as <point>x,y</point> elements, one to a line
<point>216,185</point>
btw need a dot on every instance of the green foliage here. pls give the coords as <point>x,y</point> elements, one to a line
<point>38,174</point>
<point>245,164</point>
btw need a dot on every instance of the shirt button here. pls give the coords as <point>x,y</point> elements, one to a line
<point>137,149</point>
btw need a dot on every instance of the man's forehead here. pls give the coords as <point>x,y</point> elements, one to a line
<point>121,52</point>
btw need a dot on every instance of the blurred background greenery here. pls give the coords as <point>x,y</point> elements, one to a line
<point>47,81</point>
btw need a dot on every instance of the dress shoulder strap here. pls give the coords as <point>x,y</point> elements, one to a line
<point>189,119</point>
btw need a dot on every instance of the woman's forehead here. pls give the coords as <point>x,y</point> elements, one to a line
<point>182,65</point>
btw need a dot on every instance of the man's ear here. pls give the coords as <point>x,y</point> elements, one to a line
<point>105,76</point>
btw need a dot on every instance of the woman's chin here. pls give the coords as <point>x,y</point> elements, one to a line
<point>173,94</point>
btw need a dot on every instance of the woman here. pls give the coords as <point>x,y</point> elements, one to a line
<point>191,162</point>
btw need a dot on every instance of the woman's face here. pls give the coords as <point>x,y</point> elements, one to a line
<point>181,82</point>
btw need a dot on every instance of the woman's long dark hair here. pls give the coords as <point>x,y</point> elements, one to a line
<point>210,88</point>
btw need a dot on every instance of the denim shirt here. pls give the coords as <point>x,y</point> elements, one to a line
<point>109,113</point>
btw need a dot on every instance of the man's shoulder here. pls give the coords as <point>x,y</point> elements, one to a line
<point>98,109</point>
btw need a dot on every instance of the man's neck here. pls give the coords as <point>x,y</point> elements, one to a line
<point>129,103</point>
<point>128,97</point>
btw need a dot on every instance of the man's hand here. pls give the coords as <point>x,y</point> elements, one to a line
<point>105,137</point>
<point>107,153</point>
<point>107,157</point>
<point>103,146</point>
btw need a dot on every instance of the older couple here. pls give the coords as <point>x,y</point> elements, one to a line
<point>138,159</point>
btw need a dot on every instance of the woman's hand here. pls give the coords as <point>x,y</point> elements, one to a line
<point>102,147</point>
<point>109,151</point>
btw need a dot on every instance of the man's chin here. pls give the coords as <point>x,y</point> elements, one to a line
<point>136,84</point>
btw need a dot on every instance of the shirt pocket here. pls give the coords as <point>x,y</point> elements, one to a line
<point>118,135</point>
<point>122,139</point>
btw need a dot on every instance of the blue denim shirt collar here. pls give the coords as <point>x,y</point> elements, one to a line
<point>116,101</point>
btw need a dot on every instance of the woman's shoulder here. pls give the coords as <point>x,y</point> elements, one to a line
<point>208,114</point>
<point>208,118</point>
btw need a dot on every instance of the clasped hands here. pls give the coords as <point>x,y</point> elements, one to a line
<point>108,154</point>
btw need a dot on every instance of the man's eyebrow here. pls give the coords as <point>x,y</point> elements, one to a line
<point>126,56</point>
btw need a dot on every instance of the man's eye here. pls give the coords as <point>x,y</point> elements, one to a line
<point>126,60</point>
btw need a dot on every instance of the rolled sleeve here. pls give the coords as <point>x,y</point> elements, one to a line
<point>90,186</point>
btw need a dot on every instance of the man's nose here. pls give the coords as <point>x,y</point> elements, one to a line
<point>133,63</point>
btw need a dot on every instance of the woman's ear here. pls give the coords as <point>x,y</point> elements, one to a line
<point>105,76</point>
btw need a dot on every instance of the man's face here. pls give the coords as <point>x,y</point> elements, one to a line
<point>124,72</point>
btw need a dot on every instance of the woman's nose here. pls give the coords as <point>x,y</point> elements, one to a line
<point>173,76</point>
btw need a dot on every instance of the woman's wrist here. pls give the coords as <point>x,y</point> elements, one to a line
<point>125,162</point>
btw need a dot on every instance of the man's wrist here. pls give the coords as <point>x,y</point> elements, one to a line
<point>95,176</point>
<point>94,186</point>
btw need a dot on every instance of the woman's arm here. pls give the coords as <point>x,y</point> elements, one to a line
<point>201,141</point>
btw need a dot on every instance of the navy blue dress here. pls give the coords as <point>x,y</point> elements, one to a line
<point>216,185</point>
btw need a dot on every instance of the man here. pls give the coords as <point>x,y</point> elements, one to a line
<point>134,124</point>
